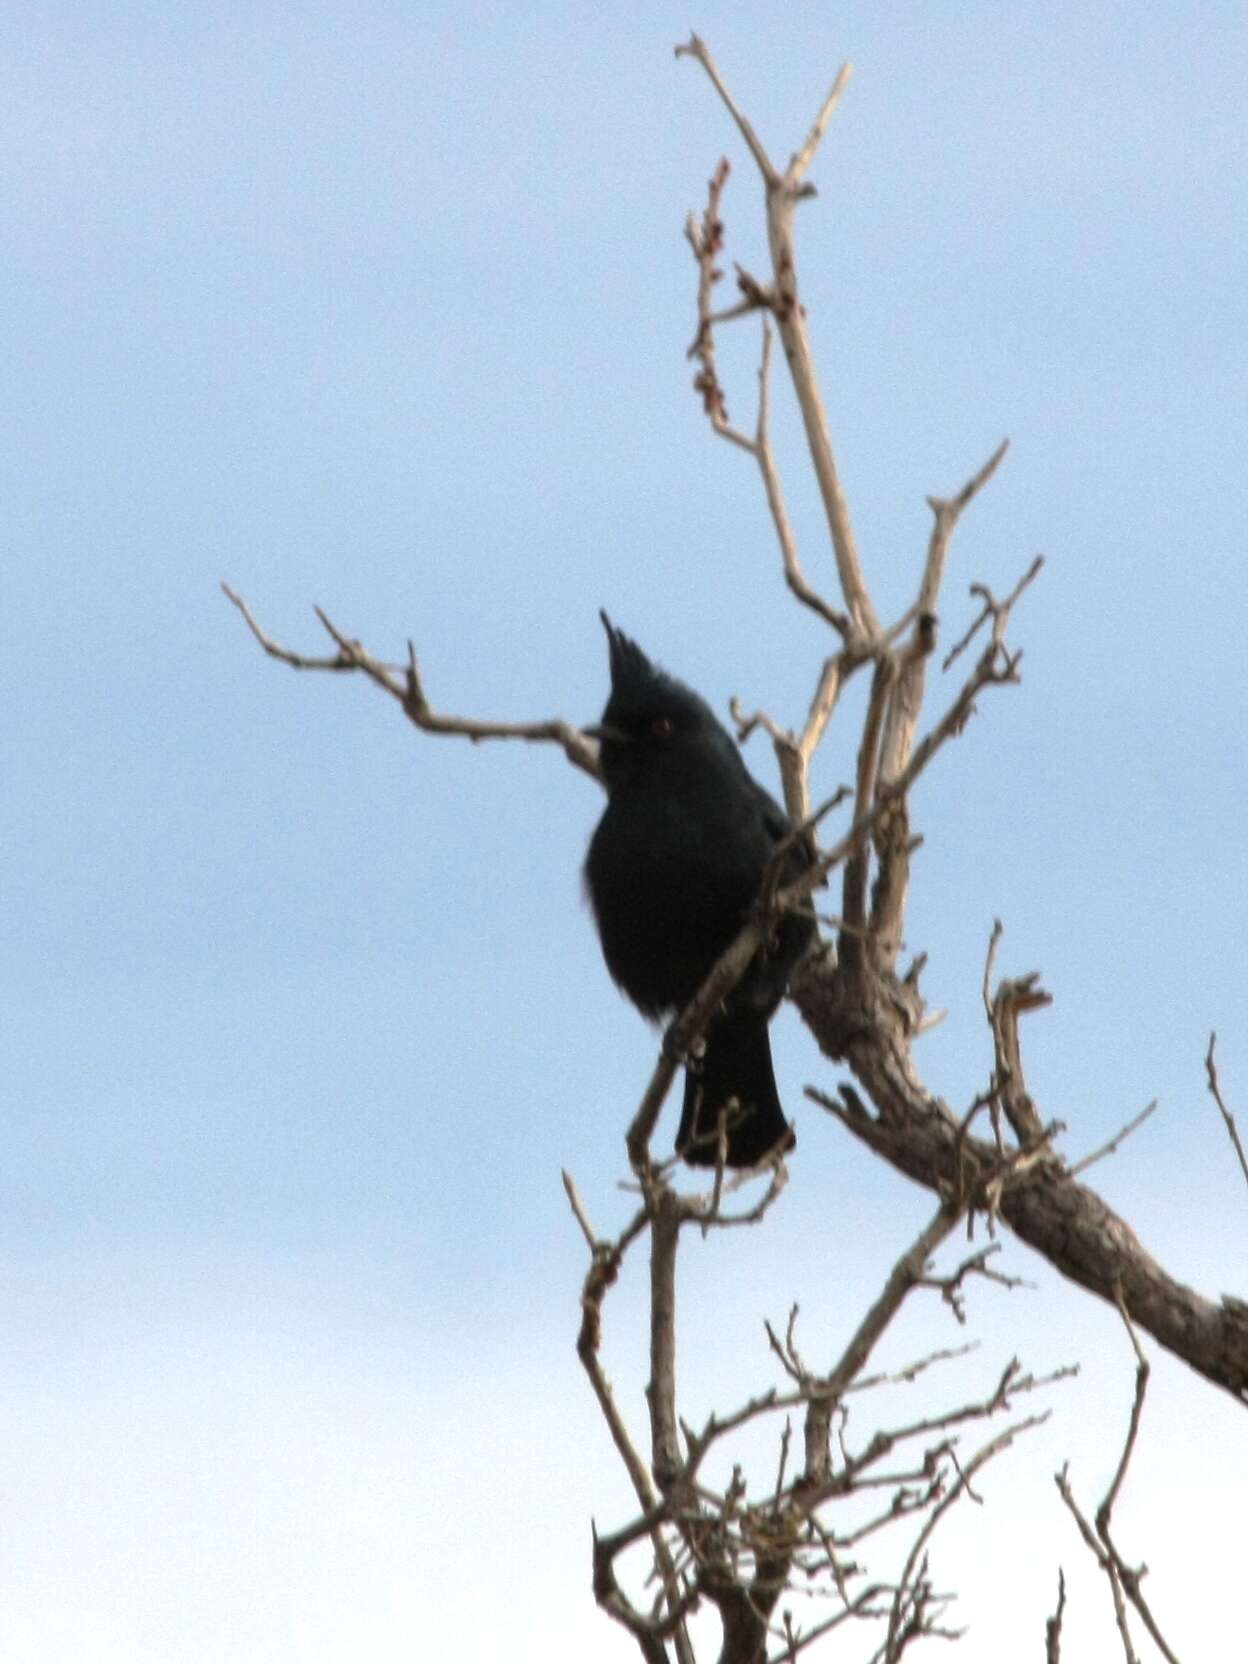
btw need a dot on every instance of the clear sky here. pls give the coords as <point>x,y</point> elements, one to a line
<point>384,307</point>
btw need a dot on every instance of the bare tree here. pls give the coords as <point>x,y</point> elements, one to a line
<point>838,1538</point>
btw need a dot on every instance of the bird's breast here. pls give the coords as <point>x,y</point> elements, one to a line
<point>671,880</point>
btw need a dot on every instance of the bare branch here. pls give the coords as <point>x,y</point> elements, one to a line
<point>680,1036</point>
<point>757,719</point>
<point>1118,1138</point>
<point>1014,997</point>
<point>783,193</point>
<point>892,884</point>
<point>946,512</point>
<point>903,718</point>
<point>1124,1580</point>
<point>706,239</point>
<point>405,687</point>
<point>606,1259</point>
<point>998,611</point>
<point>695,48</point>
<point>1106,1509</point>
<point>831,679</point>
<point>1211,1069</point>
<point>666,1214</point>
<point>650,1632</point>
<point>985,1454</point>
<point>1069,1224</point>
<point>854,887</point>
<point>799,163</point>
<point>297,661</point>
<point>793,573</point>
<point>910,1372</point>
<point>904,1276</point>
<point>1053,1626</point>
<point>975,1266</point>
<point>578,1210</point>
<point>995,667</point>
<point>862,1605</point>
<point>1085,1531</point>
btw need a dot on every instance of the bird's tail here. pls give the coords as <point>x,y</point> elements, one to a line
<point>734,1082</point>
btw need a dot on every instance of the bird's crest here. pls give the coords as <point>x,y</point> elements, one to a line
<point>642,691</point>
<point>630,668</point>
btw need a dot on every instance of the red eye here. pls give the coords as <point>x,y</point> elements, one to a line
<point>661,727</point>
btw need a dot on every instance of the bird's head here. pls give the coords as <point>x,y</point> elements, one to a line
<point>652,721</point>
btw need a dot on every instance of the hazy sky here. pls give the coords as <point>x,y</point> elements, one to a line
<point>385,308</point>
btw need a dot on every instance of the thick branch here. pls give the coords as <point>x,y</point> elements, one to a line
<point>1060,1218</point>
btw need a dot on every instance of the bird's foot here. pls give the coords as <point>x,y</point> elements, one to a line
<point>688,1057</point>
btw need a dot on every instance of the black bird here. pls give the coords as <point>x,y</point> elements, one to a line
<point>675,866</point>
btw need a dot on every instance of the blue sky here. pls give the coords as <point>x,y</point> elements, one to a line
<point>385,308</point>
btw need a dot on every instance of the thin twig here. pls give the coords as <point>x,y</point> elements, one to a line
<point>985,1454</point>
<point>297,661</point>
<point>975,1266</point>
<point>991,608</point>
<point>1122,1133</point>
<point>695,48</point>
<point>405,687</point>
<point>1211,1069</point>
<point>802,159</point>
<point>606,1259</point>
<point>1124,1580</point>
<point>587,1230</point>
<point>905,1275</point>
<point>1053,1625</point>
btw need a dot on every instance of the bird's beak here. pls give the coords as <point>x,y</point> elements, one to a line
<point>604,731</point>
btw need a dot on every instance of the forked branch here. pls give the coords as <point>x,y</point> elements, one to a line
<point>1125,1581</point>
<point>406,687</point>
<point>784,190</point>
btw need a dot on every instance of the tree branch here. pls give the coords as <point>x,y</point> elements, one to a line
<point>1211,1069</point>
<point>1063,1220</point>
<point>1123,1579</point>
<point>889,903</point>
<point>1053,1626</point>
<point>783,193</point>
<point>405,686</point>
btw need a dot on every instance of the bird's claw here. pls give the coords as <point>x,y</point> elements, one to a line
<point>684,1056</point>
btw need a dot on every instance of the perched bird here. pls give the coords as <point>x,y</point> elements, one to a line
<point>674,868</point>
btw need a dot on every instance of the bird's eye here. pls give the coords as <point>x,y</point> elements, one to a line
<point>661,727</point>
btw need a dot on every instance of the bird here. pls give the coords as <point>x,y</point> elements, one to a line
<point>674,869</point>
